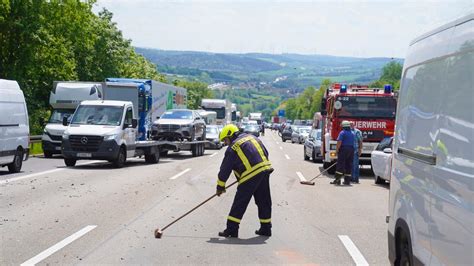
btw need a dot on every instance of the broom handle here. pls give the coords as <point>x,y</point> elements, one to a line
<point>324,171</point>
<point>193,209</point>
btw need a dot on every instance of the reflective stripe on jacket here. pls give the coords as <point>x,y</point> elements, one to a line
<point>246,157</point>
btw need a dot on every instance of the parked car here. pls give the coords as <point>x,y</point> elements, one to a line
<point>212,136</point>
<point>431,199</point>
<point>300,135</point>
<point>179,124</point>
<point>312,146</point>
<point>252,129</point>
<point>381,160</point>
<point>286,133</point>
<point>14,127</point>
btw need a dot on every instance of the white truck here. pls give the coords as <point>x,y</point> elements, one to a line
<point>14,127</point>
<point>150,98</point>
<point>210,117</point>
<point>105,130</point>
<point>223,108</point>
<point>64,98</point>
<point>257,117</point>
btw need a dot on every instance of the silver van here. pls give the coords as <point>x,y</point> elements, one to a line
<point>14,128</point>
<point>432,179</point>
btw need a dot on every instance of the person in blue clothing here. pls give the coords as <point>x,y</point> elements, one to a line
<point>345,154</point>
<point>357,152</point>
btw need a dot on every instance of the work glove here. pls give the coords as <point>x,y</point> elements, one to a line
<point>220,191</point>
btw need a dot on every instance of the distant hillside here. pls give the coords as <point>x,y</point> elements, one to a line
<point>284,71</point>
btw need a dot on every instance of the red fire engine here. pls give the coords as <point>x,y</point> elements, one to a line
<point>372,111</point>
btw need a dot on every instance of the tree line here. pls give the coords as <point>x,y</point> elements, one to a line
<point>309,101</point>
<point>46,40</point>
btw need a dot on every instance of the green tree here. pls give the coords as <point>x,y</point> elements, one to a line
<point>391,74</point>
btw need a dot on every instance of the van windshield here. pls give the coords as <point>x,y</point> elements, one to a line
<point>373,107</point>
<point>58,114</point>
<point>98,115</point>
<point>220,112</point>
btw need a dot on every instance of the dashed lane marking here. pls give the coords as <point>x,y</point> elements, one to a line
<point>214,154</point>
<point>180,174</point>
<point>287,157</point>
<point>50,251</point>
<point>353,250</point>
<point>301,177</point>
<point>10,180</point>
<point>281,148</point>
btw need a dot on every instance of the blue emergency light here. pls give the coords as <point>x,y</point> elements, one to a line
<point>387,88</point>
<point>343,88</point>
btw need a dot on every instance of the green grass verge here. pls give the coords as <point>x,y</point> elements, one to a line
<point>36,148</point>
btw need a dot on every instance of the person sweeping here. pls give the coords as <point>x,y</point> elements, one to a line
<point>247,157</point>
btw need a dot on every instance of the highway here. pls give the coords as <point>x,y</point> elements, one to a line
<point>95,214</point>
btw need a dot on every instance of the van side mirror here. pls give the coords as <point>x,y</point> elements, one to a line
<point>65,122</point>
<point>157,117</point>
<point>134,123</point>
<point>387,150</point>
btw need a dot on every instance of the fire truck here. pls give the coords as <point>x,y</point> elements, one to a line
<point>371,109</point>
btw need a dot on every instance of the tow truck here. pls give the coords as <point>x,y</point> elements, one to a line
<point>371,109</point>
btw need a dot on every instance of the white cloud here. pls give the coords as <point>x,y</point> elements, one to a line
<point>352,28</point>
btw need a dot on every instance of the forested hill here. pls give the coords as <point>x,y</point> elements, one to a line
<point>279,70</point>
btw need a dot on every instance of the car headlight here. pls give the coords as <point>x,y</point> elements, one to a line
<point>65,135</point>
<point>110,137</point>
<point>45,131</point>
<point>187,126</point>
<point>154,127</point>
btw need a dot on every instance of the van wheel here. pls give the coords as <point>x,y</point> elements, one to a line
<point>378,180</point>
<point>15,166</point>
<point>121,158</point>
<point>70,162</point>
<point>152,158</point>
<point>404,251</point>
<point>194,150</point>
<point>163,153</point>
<point>48,154</point>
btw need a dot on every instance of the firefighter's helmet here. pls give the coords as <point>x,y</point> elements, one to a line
<point>228,131</point>
<point>346,123</point>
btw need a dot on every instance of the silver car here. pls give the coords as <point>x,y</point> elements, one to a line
<point>178,125</point>
<point>312,146</point>
<point>212,136</point>
<point>300,134</point>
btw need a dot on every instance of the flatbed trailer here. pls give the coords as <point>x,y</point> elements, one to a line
<point>197,147</point>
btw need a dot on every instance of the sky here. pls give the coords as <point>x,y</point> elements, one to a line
<point>380,28</point>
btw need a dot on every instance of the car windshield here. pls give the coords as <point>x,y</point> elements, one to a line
<point>212,130</point>
<point>251,128</point>
<point>382,107</point>
<point>58,115</point>
<point>178,114</point>
<point>98,115</point>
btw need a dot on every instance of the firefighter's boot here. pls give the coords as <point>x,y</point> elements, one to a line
<point>265,230</point>
<point>229,233</point>
<point>337,180</point>
<point>347,180</point>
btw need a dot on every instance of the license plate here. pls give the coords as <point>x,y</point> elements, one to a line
<point>58,148</point>
<point>84,155</point>
<point>367,148</point>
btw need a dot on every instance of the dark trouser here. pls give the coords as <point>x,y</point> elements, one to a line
<point>345,159</point>
<point>258,187</point>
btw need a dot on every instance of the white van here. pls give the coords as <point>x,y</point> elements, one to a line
<point>432,180</point>
<point>14,128</point>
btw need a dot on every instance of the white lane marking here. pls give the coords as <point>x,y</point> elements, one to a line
<point>287,157</point>
<point>180,174</point>
<point>281,148</point>
<point>40,173</point>
<point>50,251</point>
<point>353,251</point>
<point>278,143</point>
<point>301,177</point>
<point>214,154</point>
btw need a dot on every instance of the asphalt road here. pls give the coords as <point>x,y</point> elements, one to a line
<point>95,214</point>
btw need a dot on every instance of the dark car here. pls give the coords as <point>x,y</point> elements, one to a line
<point>287,132</point>
<point>252,129</point>
<point>312,146</point>
<point>179,124</point>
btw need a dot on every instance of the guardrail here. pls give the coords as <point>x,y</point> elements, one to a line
<point>35,139</point>
<point>35,145</point>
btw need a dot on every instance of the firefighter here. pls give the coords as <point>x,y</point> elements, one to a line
<point>345,154</point>
<point>248,159</point>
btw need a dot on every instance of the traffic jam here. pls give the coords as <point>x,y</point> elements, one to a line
<point>129,175</point>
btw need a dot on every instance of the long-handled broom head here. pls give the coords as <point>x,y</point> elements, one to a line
<point>158,233</point>
<point>310,183</point>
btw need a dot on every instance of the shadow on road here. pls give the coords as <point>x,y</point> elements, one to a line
<point>257,240</point>
<point>108,166</point>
